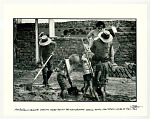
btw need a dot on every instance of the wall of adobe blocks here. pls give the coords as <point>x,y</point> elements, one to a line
<point>75,28</point>
<point>127,48</point>
<point>24,45</point>
<point>25,58</point>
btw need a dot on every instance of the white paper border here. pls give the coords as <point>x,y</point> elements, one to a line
<point>11,11</point>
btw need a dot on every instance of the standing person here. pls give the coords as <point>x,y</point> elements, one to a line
<point>47,48</point>
<point>103,54</point>
<point>87,70</point>
<point>94,33</point>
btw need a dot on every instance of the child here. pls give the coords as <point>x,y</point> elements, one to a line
<point>88,72</point>
<point>63,70</point>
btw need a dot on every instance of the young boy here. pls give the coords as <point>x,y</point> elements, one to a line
<point>63,70</point>
<point>88,72</point>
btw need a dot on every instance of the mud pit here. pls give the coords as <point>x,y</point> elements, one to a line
<point>118,89</point>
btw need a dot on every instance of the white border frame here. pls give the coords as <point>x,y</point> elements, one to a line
<point>10,10</point>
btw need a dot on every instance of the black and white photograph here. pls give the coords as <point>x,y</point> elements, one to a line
<point>75,60</point>
<point>68,60</point>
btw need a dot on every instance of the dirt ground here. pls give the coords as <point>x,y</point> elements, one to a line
<point>118,89</point>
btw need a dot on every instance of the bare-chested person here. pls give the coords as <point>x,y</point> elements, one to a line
<point>94,33</point>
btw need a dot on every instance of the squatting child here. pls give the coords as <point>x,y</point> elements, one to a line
<point>63,70</point>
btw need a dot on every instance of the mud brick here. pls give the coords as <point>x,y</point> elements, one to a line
<point>133,73</point>
<point>123,72</point>
<point>118,72</point>
<point>134,67</point>
<point>128,74</point>
<point>130,71</point>
<point>115,74</point>
<point>130,66</point>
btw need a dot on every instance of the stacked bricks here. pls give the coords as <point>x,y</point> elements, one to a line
<point>127,48</point>
<point>25,45</point>
<point>128,70</point>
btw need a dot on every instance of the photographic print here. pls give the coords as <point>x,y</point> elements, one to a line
<point>75,60</point>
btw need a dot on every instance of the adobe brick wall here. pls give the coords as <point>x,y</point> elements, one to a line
<point>25,46</point>
<point>127,48</point>
<point>25,58</point>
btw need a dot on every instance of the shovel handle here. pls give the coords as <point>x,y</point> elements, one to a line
<point>42,67</point>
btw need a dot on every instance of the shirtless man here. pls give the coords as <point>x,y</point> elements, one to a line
<point>94,33</point>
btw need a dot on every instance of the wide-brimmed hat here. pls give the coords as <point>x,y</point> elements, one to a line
<point>105,36</point>
<point>45,40</point>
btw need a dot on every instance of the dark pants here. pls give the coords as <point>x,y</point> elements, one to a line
<point>63,85</point>
<point>87,77</point>
<point>103,68</point>
<point>47,71</point>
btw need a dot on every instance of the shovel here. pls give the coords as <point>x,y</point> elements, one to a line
<point>29,86</point>
<point>73,89</point>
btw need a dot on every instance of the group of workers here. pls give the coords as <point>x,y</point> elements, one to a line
<point>98,52</point>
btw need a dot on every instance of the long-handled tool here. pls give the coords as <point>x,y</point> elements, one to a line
<point>73,89</point>
<point>29,86</point>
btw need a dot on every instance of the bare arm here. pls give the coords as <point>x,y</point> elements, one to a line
<point>112,54</point>
<point>90,37</point>
<point>93,47</point>
<point>55,46</point>
<point>41,58</point>
<point>83,58</point>
<point>90,34</point>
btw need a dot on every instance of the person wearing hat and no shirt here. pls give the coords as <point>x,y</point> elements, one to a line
<point>100,26</point>
<point>47,48</point>
<point>103,55</point>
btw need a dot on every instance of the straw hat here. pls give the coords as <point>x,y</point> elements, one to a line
<point>45,40</point>
<point>105,36</point>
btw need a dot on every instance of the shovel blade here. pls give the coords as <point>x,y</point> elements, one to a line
<point>28,87</point>
<point>73,91</point>
<point>98,90</point>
